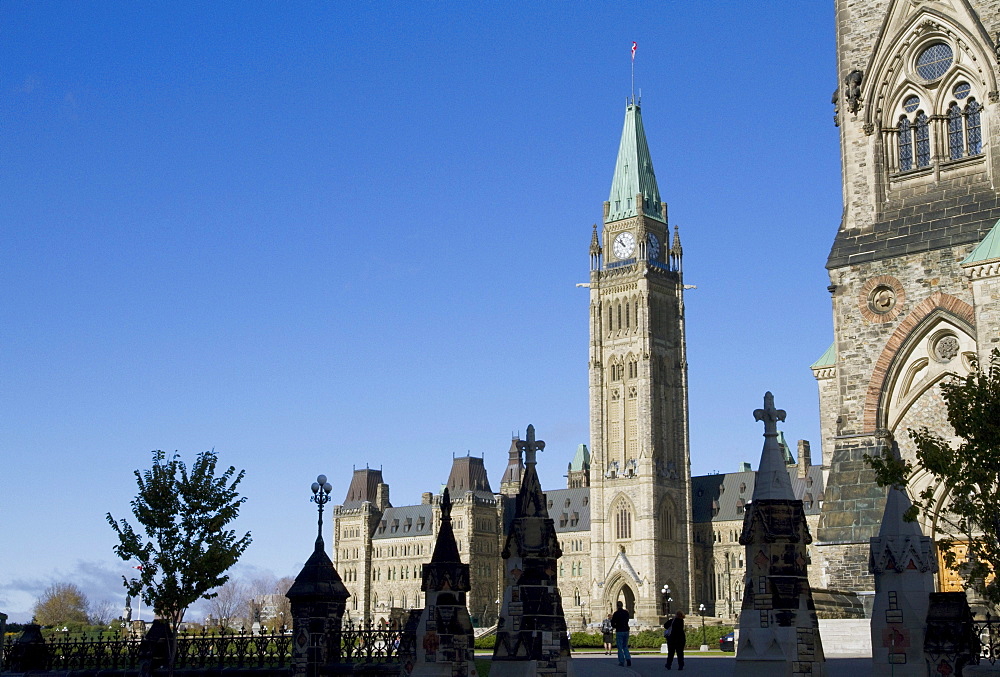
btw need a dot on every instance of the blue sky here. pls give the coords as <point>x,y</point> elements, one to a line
<point>319,235</point>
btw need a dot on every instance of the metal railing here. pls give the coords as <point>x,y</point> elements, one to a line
<point>194,651</point>
<point>368,643</point>
<point>988,634</point>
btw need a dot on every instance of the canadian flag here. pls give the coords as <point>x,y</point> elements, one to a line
<point>634,46</point>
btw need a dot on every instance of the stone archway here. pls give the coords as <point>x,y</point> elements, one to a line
<point>627,597</point>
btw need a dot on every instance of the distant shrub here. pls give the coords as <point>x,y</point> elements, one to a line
<point>487,642</point>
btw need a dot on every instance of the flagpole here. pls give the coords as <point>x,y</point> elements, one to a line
<point>634,46</point>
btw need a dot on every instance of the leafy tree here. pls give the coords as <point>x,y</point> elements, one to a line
<point>970,472</point>
<point>185,548</point>
<point>61,603</point>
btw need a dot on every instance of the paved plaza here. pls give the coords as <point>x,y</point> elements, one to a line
<point>647,665</point>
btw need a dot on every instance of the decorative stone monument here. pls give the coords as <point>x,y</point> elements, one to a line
<point>318,598</point>
<point>903,562</point>
<point>445,642</point>
<point>779,632</point>
<point>531,633</point>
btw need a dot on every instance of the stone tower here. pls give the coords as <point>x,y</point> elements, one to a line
<point>640,464</point>
<point>912,303</point>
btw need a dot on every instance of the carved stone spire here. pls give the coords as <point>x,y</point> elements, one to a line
<point>772,475</point>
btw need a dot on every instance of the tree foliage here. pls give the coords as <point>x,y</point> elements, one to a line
<point>966,476</point>
<point>185,545</point>
<point>60,604</point>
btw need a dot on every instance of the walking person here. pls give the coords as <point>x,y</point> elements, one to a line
<point>619,619</point>
<point>673,630</point>
<point>607,634</point>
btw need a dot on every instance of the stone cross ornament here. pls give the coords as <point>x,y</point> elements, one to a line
<point>529,446</point>
<point>769,415</point>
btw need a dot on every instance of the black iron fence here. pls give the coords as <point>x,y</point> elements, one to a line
<point>988,633</point>
<point>368,643</point>
<point>194,651</point>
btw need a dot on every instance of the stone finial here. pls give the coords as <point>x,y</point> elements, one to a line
<point>529,446</point>
<point>772,474</point>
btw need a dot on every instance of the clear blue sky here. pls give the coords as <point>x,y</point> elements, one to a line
<point>319,235</point>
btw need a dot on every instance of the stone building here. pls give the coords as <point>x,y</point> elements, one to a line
<point>914,268</point>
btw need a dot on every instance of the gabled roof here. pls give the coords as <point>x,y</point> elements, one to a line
<point>634,173</point>
<point>987,250</point>
<point>569,508</point>
<point>406,521</point>
<point>724,497</point>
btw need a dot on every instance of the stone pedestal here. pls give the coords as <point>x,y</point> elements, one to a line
<point>950,640</point>
<point>444,641</point>
<point>531,635</point>
<point>318,598</point>
<point>778,630</point>
<point>903,563</point>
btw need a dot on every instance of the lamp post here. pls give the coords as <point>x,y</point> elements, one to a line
<point>667,599</point>
<point>321,496</point>
<point>701,612</point>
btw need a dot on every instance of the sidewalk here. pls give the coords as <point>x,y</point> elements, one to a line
<point>648,665</point>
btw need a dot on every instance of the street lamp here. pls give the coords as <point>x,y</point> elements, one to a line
<point>667,599</point>
<point>701,612</point>
<point>321,496</point>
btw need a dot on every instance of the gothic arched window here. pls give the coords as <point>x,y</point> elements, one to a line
<point>956,137</point>
<point>905,145</point>
<point>922,140</point>
<point>623,522</point>
<point>974,127</point>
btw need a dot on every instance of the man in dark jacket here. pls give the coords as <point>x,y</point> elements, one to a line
<point>676,639</point>
<point>619,619</point>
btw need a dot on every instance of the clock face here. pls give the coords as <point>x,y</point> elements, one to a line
<point>624,245</point>
<point>653,245</point>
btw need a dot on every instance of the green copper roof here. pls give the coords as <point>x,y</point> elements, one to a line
<point>827,359</point>
<point>988,249</point>
<point>633,173</point>
<point>582,459</point>
<point>785,449</point>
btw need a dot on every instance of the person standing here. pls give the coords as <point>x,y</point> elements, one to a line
<point>607,634</point>
<point>619,620</point>
<point>676,639</point>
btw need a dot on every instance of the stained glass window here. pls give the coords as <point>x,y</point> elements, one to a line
<point>962,90</point>
<point>922,140</point>
<point>934,61</point>
<point>956,140</point>
<point>905,145</point>
<point>974,127</point>
<point>911,104</point>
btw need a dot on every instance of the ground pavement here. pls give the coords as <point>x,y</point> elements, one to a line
<point>648,665</point>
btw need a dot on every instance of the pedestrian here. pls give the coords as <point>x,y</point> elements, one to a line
<point>673,630</point>
<point>619,619</point>
<point>608,634</point>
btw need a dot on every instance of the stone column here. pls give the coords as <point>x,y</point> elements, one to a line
<point>779,632</point>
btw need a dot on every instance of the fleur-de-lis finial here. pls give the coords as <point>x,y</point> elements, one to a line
<point>769,415</point>
<point>529,446</point>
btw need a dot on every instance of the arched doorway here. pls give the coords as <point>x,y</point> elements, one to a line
<point>627,598</point>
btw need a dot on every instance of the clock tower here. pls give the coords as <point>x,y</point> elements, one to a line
<point>640,467</point>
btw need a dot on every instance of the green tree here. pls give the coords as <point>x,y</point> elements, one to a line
<point>965,493</point>
<point>61,603</point>
<point>185,547</point>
